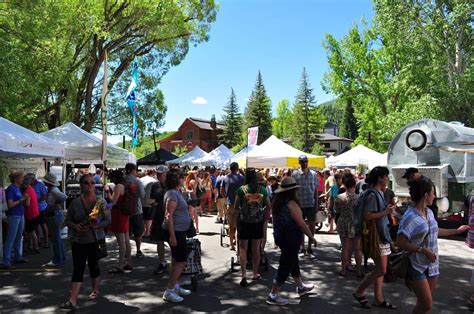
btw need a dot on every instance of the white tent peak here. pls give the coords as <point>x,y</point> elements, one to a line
<point>15,139</point>
<point>188,158</point>
<point>358,155</point>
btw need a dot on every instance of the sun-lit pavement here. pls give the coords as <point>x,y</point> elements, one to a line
<point>30,289</point>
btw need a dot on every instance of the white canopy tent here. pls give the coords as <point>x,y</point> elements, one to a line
<point>359,155</point>
<point>219,157</point>
<point>22,149</point>
<point>83,147</point>
<point>274,153</point>
<point>241,156</point>
<point>189,158</point>
<point>17,141</point>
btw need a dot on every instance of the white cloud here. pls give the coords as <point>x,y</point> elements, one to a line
<point>199,100</point>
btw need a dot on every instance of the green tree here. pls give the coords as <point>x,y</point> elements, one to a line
<point>232,119</point>
<point>53,51</point>
<point>281,124</point>
<point>145,145</point>
<point>414,62</point>
<point>180,150</point>
<point>258,111</point>
<point>307,118</point>
<point>332,111</point>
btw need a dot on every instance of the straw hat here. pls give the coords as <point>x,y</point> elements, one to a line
<point>261,178</point>
<point>51,179</point>
<point>289,183</point>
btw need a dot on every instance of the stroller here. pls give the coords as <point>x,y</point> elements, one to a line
<point>193,263</point>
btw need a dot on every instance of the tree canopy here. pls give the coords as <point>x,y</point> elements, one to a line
<point>52,52</point>
<point>413,62</point>
<point>232,120</point>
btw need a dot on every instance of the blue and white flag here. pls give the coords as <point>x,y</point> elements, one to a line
<point>132,102</point>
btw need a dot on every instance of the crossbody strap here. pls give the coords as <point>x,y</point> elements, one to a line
<point>85,212</point>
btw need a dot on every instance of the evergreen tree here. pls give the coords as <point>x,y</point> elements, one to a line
<point>307,118</point>
<point>349,124</point>
<point>281,124</point>
<point>232,120</point>
<point>259,111</point>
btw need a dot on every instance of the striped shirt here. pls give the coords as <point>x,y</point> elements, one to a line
<point>415,227</point>
<point>308,185</point>
<point>40,190</point>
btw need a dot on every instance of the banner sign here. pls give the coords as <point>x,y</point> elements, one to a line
<point>252,136</point>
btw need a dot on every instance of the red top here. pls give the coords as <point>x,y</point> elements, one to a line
<point>321,186</point>
<point>31,211</point>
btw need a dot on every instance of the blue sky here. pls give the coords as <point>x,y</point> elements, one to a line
<point>277,37</point>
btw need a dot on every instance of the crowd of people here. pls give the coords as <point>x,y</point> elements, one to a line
<point>164,205</point>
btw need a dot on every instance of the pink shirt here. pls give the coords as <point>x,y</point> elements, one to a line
<point>31,211</point>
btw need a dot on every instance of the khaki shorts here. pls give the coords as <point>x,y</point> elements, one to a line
<point>231,216</point>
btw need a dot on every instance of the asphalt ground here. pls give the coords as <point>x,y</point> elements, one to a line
<point>32,289</point>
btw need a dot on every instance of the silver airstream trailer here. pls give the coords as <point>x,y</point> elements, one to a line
<point>442,151</point>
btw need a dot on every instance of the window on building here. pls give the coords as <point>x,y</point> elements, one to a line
<point>327,145</point>
<point>189,135</point>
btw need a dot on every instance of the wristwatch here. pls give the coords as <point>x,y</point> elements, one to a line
<point>419,249</point>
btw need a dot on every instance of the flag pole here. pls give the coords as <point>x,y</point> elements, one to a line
<point>104,116</point>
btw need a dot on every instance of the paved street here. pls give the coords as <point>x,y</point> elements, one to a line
<point>31,289</point>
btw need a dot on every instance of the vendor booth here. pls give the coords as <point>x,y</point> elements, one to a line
<point>189,158</point>
<point>274,153</point>
<point>159,157</point>
<point>441,151</point>
<point>219,158</point>
<point>22,149</point>
<point>83,147</point>
<point>359,155</point>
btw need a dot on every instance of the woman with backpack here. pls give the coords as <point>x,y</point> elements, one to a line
<point>375,215</point>
<point>251,202</point>
<point>288,226</point>
<point>120,222</point>
<point>191,185</point>
<point>418,234</point>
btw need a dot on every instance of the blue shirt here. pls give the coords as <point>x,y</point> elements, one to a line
<point>14,194</point>
<point>377,203</point>
<point>415,228</point>
<point>231,183</point>
<point>41,190</point>
<point>214,181</point>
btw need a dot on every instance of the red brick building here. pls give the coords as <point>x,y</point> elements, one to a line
<point>194,132</point>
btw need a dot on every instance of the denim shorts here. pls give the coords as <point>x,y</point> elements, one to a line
<point>414,274</point>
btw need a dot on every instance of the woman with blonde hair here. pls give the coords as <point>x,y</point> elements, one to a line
<point>191,185</point>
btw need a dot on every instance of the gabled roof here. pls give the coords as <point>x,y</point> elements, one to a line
<point>329,137</point>
<point>206,124</point>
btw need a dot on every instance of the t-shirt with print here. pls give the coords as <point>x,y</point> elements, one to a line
<point>181,219</point>
<point>14,194</point>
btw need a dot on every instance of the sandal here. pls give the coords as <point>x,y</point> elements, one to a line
<point>68,306</point>
<point>243,282</point>
<point>386,305</point>
<point>116,270</point>
<point>362,301</point>
<point>93,295</point>
<point>258,277</point>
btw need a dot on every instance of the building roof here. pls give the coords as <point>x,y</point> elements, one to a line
<point>206,124</point>
<point>325,137</point>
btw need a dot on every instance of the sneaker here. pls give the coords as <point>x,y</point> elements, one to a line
<point>181,291</point>
<point>277,300</point>
<point>310,253</point>
<point>51,264</point>
<point>139,254</point>
<point>302,253</point>
<point>304,289</point>
<point>160,269</point>
<point>172,296</point>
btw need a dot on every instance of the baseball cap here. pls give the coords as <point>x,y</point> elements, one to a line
<point>162,169</point>
<point>302,158</point>
<point>409,172</point>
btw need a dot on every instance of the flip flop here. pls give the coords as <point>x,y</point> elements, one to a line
<point>386,305</point>
<point>93,295</point>
<point>362,301</point>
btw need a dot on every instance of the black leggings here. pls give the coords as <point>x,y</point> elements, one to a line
<point>82,252</point>
<point>289,262</point>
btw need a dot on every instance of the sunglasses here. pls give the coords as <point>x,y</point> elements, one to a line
<point>88,182</point>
